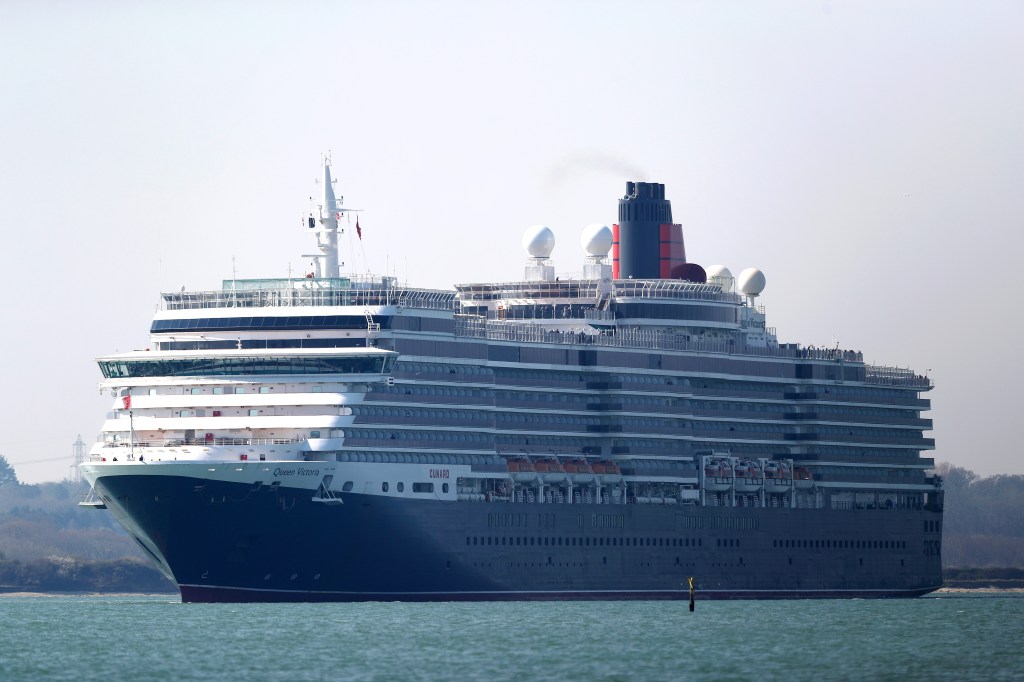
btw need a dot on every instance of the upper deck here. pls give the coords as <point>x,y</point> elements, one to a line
<point>385,291</point>
<point>489,320</point>
<point>309,293</point>
<point>590,289</point>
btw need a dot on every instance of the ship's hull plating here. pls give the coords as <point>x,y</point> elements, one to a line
<point>229,541</point>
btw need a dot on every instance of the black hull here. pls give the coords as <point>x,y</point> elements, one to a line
<point>229,542</point>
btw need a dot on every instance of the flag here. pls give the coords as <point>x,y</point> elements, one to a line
<point>359,230</point>
<point>127,401</point>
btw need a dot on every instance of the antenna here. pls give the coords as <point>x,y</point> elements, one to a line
<point>234,278</point>
<point>78,452</point>
<point>131,425</point>
<point>328,213</point>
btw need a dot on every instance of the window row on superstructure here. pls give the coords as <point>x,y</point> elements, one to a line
<point>854,472</point>
<point>655,313</point>
<point>610,360</point>
<point>265,323</point>
<point>772,419</point>
<point>691,385</point>
<point>541,444</point>
<point>428,457</point>
<point>303,323</point>
<point>746,408</point>
<point>237,411</point>
<point>472,410</point>
<point>825,452</point>
<point>652,313</point>
<point>358,341</point>
<point>235,365</point>
<point>243,388</point>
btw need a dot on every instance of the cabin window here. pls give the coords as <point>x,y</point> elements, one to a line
<point>347,487</point>
<point>314,434</point>
<point>185,413</point>
<point>423,487</point>
<point>239,389</point>
<point>264,389</point>
<point>401,487</point>
<point>196,391</point>
<point>444,488</point>
<point>218,390</point>
<point>254,413</point>
<point>317,389</point>
<point>384,487</point>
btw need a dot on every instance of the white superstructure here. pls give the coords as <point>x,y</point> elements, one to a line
<point>297,403</point>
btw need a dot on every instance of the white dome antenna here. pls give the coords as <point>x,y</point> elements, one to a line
<point>539,242</point>
<point>596,240</point>
<point>751,283</point>
<point>722,276</point>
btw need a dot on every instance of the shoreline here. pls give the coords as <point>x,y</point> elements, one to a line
<point>996,590</point>
<point>176,595</point>
<point>89,594</point>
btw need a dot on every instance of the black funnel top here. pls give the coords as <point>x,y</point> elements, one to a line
<point>642,212</point>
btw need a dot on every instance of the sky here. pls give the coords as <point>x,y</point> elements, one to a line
<point>868,157</point>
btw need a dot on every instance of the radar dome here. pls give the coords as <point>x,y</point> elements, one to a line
<point>722,276</point>
<point>539,241</point>
<point>596,239</point>
<point>718,271</point>
<point>751,281</point>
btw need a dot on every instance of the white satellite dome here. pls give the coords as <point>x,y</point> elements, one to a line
<point>751,281</point>
<point>722,276</point>
<point>596,239</point>
<point>539,241</point>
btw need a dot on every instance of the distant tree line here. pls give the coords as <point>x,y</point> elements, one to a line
<point>64,574</point>
<point>50,544</point>
<point>44,520</point>
<point>983,523</point>
<point>7,473</point>
<point>974,578</point>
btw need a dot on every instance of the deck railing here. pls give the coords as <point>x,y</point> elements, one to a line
<point>299,298</point>
<point>202,442</point>
<point>652,339</point>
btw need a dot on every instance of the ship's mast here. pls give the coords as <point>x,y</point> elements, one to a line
<point>327,226</point>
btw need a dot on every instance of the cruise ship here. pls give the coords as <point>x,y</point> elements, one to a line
<point>606,435</point>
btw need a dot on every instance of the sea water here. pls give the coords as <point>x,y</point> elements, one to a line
<point>939,637</point>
